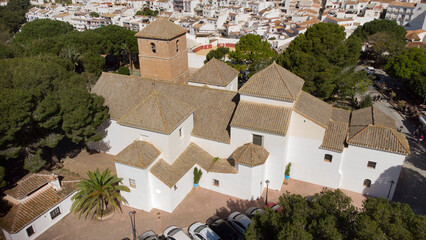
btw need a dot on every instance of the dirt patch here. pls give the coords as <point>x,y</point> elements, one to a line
<point>85,161</point>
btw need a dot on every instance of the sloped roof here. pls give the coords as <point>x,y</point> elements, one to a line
<point>262,117</point>
<point>20,215</point>
<point>214,72</point>
<point>274,82</point>
<point>335,136</point>
<point>250,155</point>
<point>213,108</point>
<point>340,115</point>
<point>139,154</point>
<point>193,154</point>
<point>30,183</point>
<point>313,108</point>
<point>371,128</point>
<point>161,28</point>
<point>157,113</point>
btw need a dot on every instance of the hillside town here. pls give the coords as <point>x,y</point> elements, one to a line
<point>224,21</point>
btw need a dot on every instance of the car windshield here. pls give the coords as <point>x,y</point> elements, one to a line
<point>239,216</point>
<point>200,228</point>
<point>173,231</point>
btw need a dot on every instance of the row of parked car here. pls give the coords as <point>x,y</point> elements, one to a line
<point>215,227</point>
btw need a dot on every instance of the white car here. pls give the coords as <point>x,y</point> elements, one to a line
<point>239,221</point>
<point>199,231</point>
<point>175,233</point>
<point>149,235</point>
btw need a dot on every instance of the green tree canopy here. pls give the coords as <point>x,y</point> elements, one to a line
<point>379,25</point>
<point>43,104</point>
<point>325,60</point>
<point>384,45</point>
<point>410,66</point>
<point>218,53</point>
<point>101,193</point>
<point>330,215</point>
<point>252,54</point>
<point>12,16</point>
<point>42,28</point>
<point>147,12</point>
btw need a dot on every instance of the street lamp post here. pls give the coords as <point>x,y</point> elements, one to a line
<point>267,188</point>
<point>133,222</point>
<point>392,182</point>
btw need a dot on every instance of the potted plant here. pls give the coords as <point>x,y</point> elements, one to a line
<point>287,171</point>
<point>197,176</point>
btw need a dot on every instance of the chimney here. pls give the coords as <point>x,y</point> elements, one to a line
<point>55,183</point>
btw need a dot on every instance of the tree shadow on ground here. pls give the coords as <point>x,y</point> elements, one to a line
<point>413,185</point>
<point>238,205</point>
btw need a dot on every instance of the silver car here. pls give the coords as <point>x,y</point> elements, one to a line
<point>239,221</point>
<point>175,233</point>
<point>199,231</point>
<point>149,235</point>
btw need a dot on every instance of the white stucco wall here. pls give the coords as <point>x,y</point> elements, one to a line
<point>118,137</point>
<point>274,144</point>
<point>232,86</point>
<point>138,197</point>
<point>215,148</point>
<point>273,102</point>
<point>354,171</point>
<point>42,223</point>
<point>248,183</point>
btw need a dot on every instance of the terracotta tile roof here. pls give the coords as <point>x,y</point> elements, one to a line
<point>161,28</point>
<point>371,128</point>
<point>313,108</point>
<point>20,215</point>
<point>29,184</point>
<point>262,117</point>
<point>193,154</point>
<point>274,82</point>
<point>340,115</point>
<point>158,113</point>
<point>412,36</point>
<point>213,108</point>
<point>214,72</point>
<point>139,154</point>
<point>335,136</point>
<point>250,155</point>
<point>402,4</point>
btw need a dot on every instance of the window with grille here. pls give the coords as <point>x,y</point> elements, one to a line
<point>30,231</point>
<point>216,182</point>
<point>132,183</point>
<point>371,164</point>
<point>154,50</point>
<point>55,212</point>
<point>328,158</point>
<point>258,139</point>
<point>367,183</point>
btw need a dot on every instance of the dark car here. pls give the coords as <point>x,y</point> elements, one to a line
<point>222,228</point>
<point>251,212</point>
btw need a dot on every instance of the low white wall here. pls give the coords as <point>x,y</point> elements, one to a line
<point>42,223</point>
<point>232,86</point>
<point>269,101</point>
<point>195,61</point>
<point>215,148</point>
<point>354,171</point>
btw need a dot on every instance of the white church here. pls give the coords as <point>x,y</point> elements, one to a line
<point>167,122</point>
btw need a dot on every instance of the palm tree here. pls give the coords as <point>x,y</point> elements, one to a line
<point>100,191</point>
<point>73,56</point>
<point>127,50</point>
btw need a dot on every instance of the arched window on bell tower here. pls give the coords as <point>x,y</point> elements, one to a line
<point>153,48</point>
<point>177,45</point>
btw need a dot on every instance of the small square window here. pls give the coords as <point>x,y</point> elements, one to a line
<point>216,182</point>
<point>371,164</point>
<point>175,187</point>
<point>132,183</point>
<point>367,183</point>
<point>328,158</point>
<point>30,231</point>
<point>258,139</point>
<point>55,212</point>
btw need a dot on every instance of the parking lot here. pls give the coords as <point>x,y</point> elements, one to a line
<point>199,205</point>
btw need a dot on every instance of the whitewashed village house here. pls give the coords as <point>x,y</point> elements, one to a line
<point>162,126</point>
<point>38,201</point>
